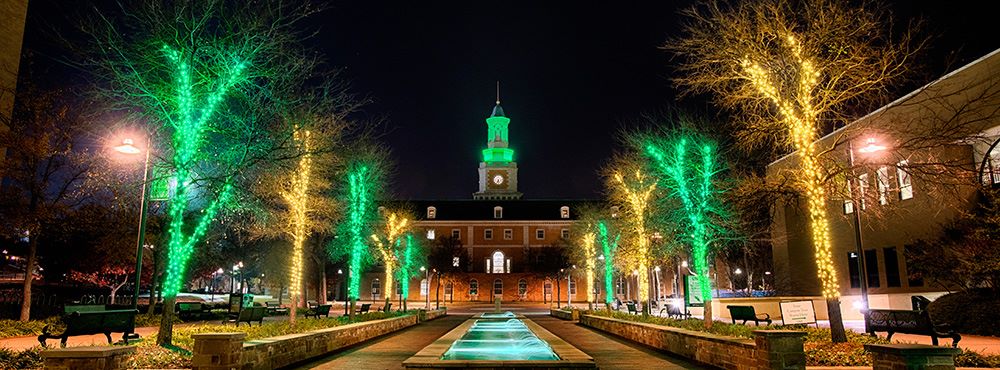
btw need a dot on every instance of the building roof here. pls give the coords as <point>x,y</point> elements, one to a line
<point>497,111</point>
<point>513,210</point>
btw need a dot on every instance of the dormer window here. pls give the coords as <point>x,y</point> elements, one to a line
<point>431,213</point>
<point>381,210</point>
<point>614,211</point>
<point>498,212</point>
<point>564,212</point>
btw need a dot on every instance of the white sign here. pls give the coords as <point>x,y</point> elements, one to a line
<point>692,295</point>
<point>797,312</point>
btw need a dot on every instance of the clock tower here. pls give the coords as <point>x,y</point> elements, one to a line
<point>497,171</point>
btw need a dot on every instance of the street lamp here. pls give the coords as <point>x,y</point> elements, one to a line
<point>128,147</point>
<point>871,146</point>
<point>569,292</point>
<point>656,284</point>
<point>427,292</point>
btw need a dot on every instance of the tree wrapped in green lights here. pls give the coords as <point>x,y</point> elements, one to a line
<point>362,185</point>
<point>411,259</point>
<point>609,246</point>
<point>207,77</point>
<point>686,165</point>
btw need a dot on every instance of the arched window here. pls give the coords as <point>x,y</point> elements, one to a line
<point>376,287</point>
<point>423,287</point>
<point>498,287</point>
<point>498,262</point>
<point>448,288</point>
<point>572,287</point>
<point>564,212</point>
<point>498,212</point>
<point>547,287</point>
<point>522,287</point>
<point>473,287</point>
<point>432,212</point>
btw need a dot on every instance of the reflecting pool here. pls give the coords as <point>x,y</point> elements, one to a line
<point>497,338</point>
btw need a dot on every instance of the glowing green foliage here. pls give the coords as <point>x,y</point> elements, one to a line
<point>360,209</point>
<point>406,265</point>
<point>691,183</point>
<point>609,245</point>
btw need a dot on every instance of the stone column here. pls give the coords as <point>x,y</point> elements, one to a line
<point>217,351</point>
<point>912,357</point>
<point>780,349</point>
<point>97,357</point>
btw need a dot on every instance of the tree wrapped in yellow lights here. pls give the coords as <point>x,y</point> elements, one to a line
<point>792,70</point>
<point>389,245</point>
<point>585,245</point>
<point>633,191</point>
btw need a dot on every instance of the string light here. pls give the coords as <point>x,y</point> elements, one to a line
<point>190,124</point>
<point>358,208</point>
<point>638,192</point>
<point>589,264</point>
<point>298,203</point>
<point>387,248</point>
<point>609,246</point>
<point>800,117</point>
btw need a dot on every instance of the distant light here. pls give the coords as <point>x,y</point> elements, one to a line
<point>684,263</point>
<point>657,269</point>
<point>738,271</point>
<point>767,272</point>
<point>339,271</point>
<point>858,305</point>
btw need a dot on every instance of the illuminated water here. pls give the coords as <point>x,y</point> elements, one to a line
<point>499,340</point>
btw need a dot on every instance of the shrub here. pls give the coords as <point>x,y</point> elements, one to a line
<point>975,311</point>
<point>974,359</point>
<point>14,328</point>
<point>30,358</point>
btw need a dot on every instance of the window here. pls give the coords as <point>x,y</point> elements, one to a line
<point>456,234</point>
<point>508,234</point>
<point>547,288</point>
<point>430,234</point>
<point>498,287</point>
<point>498,262</point>
<point>572,287</point>
<point>454,261</point>
<point>862,189</point>
<point>903,178</point>
<point>399,288</point>
<point>620,286</point>
<point>498,212</point>
<point>853,269</point>
<point>564,233</point>
<point>448,288</point>
<point>431,213</point>
<point>488,266</point>
<point>473,287</point>
<point>871,268</point>
<point>508,265</point>
<point>522,287</point>
<point>540,234</point>
<point>423,287</point>
<point>488,234</point>
<point>848,203</point>
<point>891,267</point>
<point>882,175</point>
<point>376,287</point>
<point>614,211</point>
<point>564,212</point>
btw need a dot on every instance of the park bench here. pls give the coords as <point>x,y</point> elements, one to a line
<point>747,313</point>
<point>88,321</point>
<point>189,310</point>
<point>364,308</point>
<point>311,304</point>
<point>323,309</point>
<point>249,315</point>
<point>675,311</point>
<point>387,308</point>
<point>274,308</point>
<point>631,308</point>
<point>908,322</point>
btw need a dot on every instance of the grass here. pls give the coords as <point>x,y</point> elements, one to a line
<point>819,347</point>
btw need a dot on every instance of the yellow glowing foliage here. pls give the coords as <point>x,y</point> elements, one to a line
<point>297,198</point>
<point>637,192</point>
<point>395,226</point>
<point>590,260</point>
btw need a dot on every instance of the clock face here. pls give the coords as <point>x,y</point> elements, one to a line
<point>498,179</point>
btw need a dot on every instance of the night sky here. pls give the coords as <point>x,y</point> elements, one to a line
<point>572,75</point>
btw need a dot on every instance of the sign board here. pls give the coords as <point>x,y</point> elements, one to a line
<point>797,312</point>
<point>692,292</point>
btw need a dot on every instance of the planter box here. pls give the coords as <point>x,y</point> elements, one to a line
<point>433,314</point>
<point>565,315</point>
<point>771,349</point>
<point>228,351</point>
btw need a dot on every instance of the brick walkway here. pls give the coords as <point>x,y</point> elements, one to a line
<point>390,351</point>
<point>611,352</point>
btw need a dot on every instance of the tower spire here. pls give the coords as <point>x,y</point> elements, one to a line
<point>498,92</point>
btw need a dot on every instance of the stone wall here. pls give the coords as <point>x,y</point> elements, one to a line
<point>772,349</point>
<point>91,358</point>
<point>564,314</point>
<point>216,351</point>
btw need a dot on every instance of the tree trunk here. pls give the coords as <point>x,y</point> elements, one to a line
<point>709,320</point>
<point>153,284</point>
<point>29,276</point>
<point>165,336</point>
<point>291,311</point>
<point>837,333</point>
<point>321,270</point>
<point>350,314</point>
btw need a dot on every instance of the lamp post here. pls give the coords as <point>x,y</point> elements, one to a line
<point>340,281</point>
<point>600,260</point>
<point>656,284</point>
<point>558,290</point>
<point>437,290</point>
<point>427,293</point>
<point>569,292</point>
<point>870,147</point>
<point>128,147</point>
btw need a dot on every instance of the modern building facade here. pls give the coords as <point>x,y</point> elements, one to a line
<point>908,169</point>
